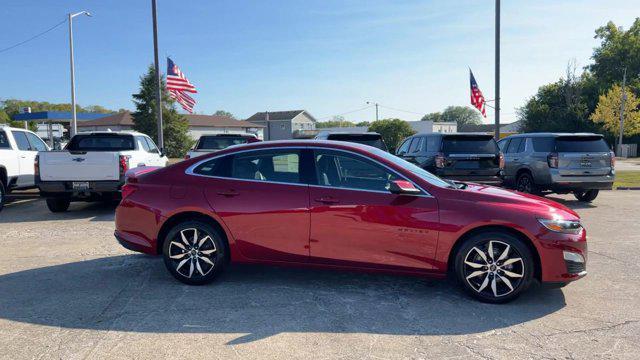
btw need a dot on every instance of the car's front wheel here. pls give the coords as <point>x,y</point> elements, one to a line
<point>494,267</point>
<point>586,196</point>
<point>194,252</point>
<point>58,204</point>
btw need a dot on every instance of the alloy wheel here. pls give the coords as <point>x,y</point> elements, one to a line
<point>494,268</point>
<point>524,184</point>
<point>193,253</point>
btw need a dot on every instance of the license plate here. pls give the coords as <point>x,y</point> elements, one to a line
<point>80,185</point>
<point>585,163</point>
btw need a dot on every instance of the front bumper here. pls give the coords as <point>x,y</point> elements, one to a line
<point>563,257</point>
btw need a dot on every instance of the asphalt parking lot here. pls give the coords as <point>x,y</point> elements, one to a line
<point>68,290</point>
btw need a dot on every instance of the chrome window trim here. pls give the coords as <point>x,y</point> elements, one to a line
<point>189,170</point>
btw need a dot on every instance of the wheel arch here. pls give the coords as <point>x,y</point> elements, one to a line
<point>180,217</point>
<point>500,228</point>
<point>3,176</point>
<point>522,170</point>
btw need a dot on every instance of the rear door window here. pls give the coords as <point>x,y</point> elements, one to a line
<point>101,142</point>
<point>580,144</point>
<point>514,144</point>
<point>36,142</point>
<point>433,144</point>
<point>543,144</point>
<point>152,146</point>
<point>21,140</point>
<point>469,145</point>
<point>276,166</point>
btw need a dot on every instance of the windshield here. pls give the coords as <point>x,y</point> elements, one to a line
<point>581,144</point>
<point>365,139</point>
<point>469,145</point>
<point>101,142</point>
<point>422,173</point>
<point>219,142</point>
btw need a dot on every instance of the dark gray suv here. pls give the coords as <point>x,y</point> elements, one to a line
<point>580,163</point>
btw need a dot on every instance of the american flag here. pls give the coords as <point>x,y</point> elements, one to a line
<point>477,99</point>
<point>178,86</point>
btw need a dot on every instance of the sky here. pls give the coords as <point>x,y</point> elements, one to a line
<point>329,57</point>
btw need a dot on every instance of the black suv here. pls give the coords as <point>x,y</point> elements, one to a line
<point>459,156</point>
<point>368,138</point>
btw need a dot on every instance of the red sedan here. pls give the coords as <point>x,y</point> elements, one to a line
<point>345,206</point>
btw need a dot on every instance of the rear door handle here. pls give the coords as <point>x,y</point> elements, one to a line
<point>228,193</point>
<point>328,200</point>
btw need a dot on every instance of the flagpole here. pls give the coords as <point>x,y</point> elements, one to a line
<point>497,73</point>
<point>158,77</point>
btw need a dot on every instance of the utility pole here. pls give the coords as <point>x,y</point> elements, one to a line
<point>624,97</point>
<point>376,104</point>
<point>497,72</point>
<point>74,121</point>
<point>266,121</point>
<point>158,77</point>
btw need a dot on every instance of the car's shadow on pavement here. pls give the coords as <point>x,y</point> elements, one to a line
<point>29,209</point>
<point>135,293</point>
<point>573,203</point>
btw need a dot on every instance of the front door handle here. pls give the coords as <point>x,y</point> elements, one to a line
<point>328,200</point>
<point>229,193</point>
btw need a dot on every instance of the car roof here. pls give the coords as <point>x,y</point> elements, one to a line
<point>106,132</point>
<point>347,133</point>
<point>458,134</point>
<point>228,135</point>
<point>329,144</point>
<point>552,134</point>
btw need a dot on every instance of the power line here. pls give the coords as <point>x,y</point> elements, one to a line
<point>405,111</point>
<point>347,113</point>
<point>33,37</point>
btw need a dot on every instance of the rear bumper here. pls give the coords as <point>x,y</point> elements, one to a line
<point>581,185</point>
<point>66,187</point>
<point>494,179</point>
<point>134,243</point>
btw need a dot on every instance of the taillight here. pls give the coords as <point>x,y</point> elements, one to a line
<point>501,160</point>
<point>613,159</point>
<point>552,160</point>
<point>36,166</point>
<point>127,190</point>
<point>439,160</point>
<point>124,164</point>
<point>187,157</point>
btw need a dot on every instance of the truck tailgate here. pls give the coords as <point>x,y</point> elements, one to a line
<point>81,166</point>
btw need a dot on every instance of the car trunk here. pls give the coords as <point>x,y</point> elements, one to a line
<point>583,156</point>
<point>374,140</point>
<point>470,155</point>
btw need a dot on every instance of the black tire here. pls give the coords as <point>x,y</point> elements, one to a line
<point>57,205</point>
<point>525,183</point>
<point>3,195</point>
<point>481,286</point>
<point>195,270</point>
<point>586,196</point>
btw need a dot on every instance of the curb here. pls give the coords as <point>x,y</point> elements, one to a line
<point>628,188</point>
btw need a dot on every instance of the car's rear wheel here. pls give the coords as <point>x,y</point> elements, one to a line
<point>525,183</point>
<point>586,195</point>
<point>194,252</point>
<point>494,267</point>
<point>58,204</point>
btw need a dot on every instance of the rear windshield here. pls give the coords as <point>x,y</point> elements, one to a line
<point>101,142</point>
<point>220,142</point>
<point>365,139</point>
<point>469,145</point>
<point>581,144</point>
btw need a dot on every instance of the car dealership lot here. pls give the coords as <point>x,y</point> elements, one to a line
<point>68,290</point>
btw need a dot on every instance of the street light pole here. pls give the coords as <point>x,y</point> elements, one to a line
<point>158,77</point>
<point>497,72</point>
<point>74,121</point>
<point>376,104</point>
<point>624,97</point>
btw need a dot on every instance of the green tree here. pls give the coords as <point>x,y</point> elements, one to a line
<point>176,139</point>
<point>224,113</point>
<point>618,49</point>
<point>392,130</point>
<point>363,123</point>
<point>607,112</point>
<point>462,115</point>
<point>434,116</point>
<point>336,121</point>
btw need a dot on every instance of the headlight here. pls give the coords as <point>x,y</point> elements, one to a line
<point>562,226</point>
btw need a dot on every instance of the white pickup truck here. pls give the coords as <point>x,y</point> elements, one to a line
<point>92,167</point>
<point>18,150</point>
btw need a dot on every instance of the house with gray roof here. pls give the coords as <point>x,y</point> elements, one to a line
<point>282,125</point>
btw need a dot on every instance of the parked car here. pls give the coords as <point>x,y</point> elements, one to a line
<point>18,149</point>
<point>460,156</point>
<point>559,162</point>
<point>299,203</point>
<point>208,144</point>
<point>369,138</point>
<point>92,167</point>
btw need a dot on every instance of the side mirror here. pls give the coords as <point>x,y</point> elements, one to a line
<point>403,187</point>
<point>162,153</point>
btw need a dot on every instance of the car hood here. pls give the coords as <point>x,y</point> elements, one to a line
<point>518,199</point>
